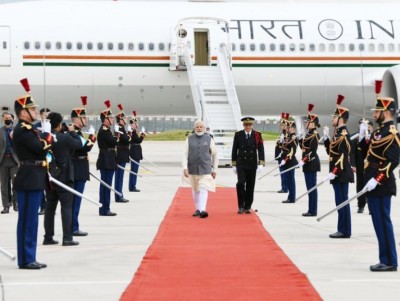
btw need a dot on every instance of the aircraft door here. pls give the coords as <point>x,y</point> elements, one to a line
<point>201,48</point>
<point>5,47</point>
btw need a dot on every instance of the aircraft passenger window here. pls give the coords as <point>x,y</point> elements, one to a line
<point>151,46</point>
<point>302,47</point>
<point>110,46</point>
<point>282,47</point>
<point>79,46</point>
<point>332,47</point>
<point>141,46</point>
<point>130,46</point>
<point>272,47</point>
<point>4,45</point>
<point>341,47</point>
<point>233,47</point>
<point>89,45</point>
<point>48,45</point>
<point>361,47</point>
<point>120,46</point>
<point>58,45</point>
<point>391,47</point>
<point>242,47</point>
<point>161,46</point>
<point>37,45</point>
<point>252,46</point>
<point>351,47</point>
<point>381,47</point>
<point>100,46</point>
<point>69,45</point>
<point>27,45</point>
<point>262,47</point>
<point>312,47</point>
<point>371,47</point>
<point>292,47</point>
<point>321,47</point>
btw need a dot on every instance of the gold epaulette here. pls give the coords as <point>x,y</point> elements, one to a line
<point>45,144</point>
<point>26,125</point>
<point>344,132</point>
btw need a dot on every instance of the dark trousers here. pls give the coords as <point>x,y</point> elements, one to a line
<point>380,213</point>
<point>284,186</point>
<point>291,184</point>
<point>133,178</point>
<point>362,200</point>
<point>66,199</point>
<point>43,202</point>
<point>344,218</point>
<point>119,180</point>
<point>245,187</point>
<point>106,176</point>
<point>27,226</point>
<point>8,169</point>
<point>311,181</point>
<point>76,204</point>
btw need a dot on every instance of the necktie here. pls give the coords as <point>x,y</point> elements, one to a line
<point>247,135</point>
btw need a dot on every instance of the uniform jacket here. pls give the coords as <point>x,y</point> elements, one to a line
<point>123,146</point>
<point>248,153</point>
<point>359,150</point>
<point>80,160</point>
<point>107,149</point>
<point>289,147</point>
<point>309,147</point>
<point>383,157</point>
<point>339,150</point>
<point>135,151</point>
<point>3,144</point>
<point>30,149</point>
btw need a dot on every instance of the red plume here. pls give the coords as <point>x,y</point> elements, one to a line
<point>84,100</point>
<point>120,107</point>
<point>378,86</point>
<point>310,107</point>
<point>340,99</point>
<point>287,116</point>
<point>107,103</point>
<point>25,84</point>
<point>283,115</point>
<point>134,113</point>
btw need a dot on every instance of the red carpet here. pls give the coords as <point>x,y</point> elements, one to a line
<point>224,257</point>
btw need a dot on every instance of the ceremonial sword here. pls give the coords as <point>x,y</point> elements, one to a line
<point>137,163</point>
<point>286,170</point>
<point>106,185</point>
<point>268,173</point>
<point>150,162</point>
<point>312,189</point>
<point>126,169</point>
<point>7,254</point>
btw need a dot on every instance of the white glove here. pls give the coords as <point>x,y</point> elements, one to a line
<point>234,170</point>
<point>371,184</point>
<point>260,169</point>
<point>281,138</point>
<point>363,130</point>
<point>91,130</point>
<point>301,134</point>
<point>46,126</point>
<point>326,133</point>
<point>301,163</point>
<point>116,128</point>
<point>128,128</point>
<point>283,162</point>
<point>330,176</point>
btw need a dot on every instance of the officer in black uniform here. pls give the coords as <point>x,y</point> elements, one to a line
<point>341,173</point>
<point>382,159</point>
<point>289,147</point>
<point>106,162</point>
<point>80,160</point>
<point>122,153</point>
<point>135,150</point>
<point>310,160</point>
<point>247,144</point>
<point>31,179</point>
<point>278,151</point>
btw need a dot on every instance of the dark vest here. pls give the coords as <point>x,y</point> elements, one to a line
<point>199,158</point>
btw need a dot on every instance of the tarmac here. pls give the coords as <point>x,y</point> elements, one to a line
<point>104,263</point>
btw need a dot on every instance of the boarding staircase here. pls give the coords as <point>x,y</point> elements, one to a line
<point>216,101</point>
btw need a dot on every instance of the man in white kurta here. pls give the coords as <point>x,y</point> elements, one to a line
<point>199,166</point>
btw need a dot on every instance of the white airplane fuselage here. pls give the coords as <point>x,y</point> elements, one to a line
<point>285,56</point>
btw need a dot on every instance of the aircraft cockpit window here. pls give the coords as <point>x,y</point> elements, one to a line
<point>342,48</point>
<point>302,47</point>
<point>312,47</point>
<point>252,47</point>
<point>233,47</point>
<point>89,45</point>
<point>272,47</point>
<point>282,47</point>
<point>161,46</point>
<point>130,46</point>
<point>110,46</point>
<point>79,46</point>
<point>242,47</point>
<point>262,47</point>
<point>27,45</point>
<point>141,46</point>
<point>371,47</point>
<point>292,47</point>
<point>69,45</point>
<point>381,47</point>
<point>100,46</point>
<point>391,47</point>
<point>58,45</point>
<point>351,47</point>
<point>322,47</point>
<point>120,46</point>
<point>361,47</point>
<point>151,46</point>
<point>47,45</point>
<point>37,45</point>
<point>331,47</point>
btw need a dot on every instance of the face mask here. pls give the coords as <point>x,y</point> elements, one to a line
<point>8,122</point>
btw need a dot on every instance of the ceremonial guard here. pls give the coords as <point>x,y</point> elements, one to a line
<point>289,147</point>
<point>80,160</point>
<point>122,153</point>
<point>135,151</point>
<point>8,164</point>
<point>106,162</point>
<point>247,160</point>
<point>382,159</point>
<point>278,151</point>
<point>340,171</point>
<point>31,179</point>
<point>61,169</point>
<point>310,160</point>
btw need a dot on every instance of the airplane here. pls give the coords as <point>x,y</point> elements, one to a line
<point>282,55</point>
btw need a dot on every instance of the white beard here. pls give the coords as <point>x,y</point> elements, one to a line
<point>199,133</point>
